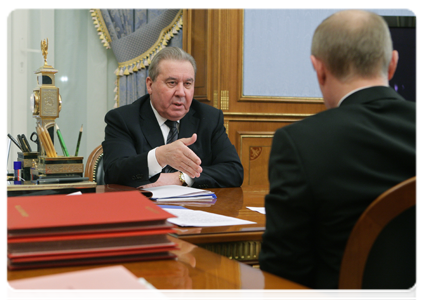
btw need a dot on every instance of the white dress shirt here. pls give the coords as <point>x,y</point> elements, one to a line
<point>153,166</point>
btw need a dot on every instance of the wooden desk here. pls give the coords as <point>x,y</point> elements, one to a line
<point>194,268</point>
<point>241,242</point>
<point>230,202</point>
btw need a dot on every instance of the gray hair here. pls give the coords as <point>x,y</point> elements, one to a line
<point>169,53</point>
<point>353,43</point>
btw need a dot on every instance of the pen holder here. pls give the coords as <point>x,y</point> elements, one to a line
<point>69,166</point>
<point>27,159</point>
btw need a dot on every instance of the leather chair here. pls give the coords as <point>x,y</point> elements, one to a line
<point>381,250</point>
<point>94,167</point>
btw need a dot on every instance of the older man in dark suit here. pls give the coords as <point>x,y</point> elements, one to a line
<point>168,138</point>
<point>325,170</point>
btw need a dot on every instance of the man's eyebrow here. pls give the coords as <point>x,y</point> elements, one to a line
<point>174,78</point>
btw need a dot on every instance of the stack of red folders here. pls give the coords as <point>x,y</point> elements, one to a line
<point>60,230</point>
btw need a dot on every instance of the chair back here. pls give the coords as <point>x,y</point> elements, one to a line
<point>381,249</point>
<point>94,167</point>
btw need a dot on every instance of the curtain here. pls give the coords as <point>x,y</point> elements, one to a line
<point>135,36</point>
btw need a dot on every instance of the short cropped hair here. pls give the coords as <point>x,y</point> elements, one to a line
<point>353,43</point>
<point>169,53</point>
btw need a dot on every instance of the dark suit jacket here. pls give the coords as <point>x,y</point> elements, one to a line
<point>324,171</point>
<point>132,130</point>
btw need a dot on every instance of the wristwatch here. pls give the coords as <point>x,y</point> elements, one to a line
<point>182,178</point>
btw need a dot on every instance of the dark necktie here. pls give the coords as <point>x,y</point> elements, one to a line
<point>171,137</point>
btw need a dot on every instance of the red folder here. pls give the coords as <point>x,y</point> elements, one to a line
<point>59,230</point>
<point>61,214</point>
<point>11,265</point>
<point>92,253</point>
<point>57,244</point>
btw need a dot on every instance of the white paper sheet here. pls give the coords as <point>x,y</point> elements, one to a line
<point>190,217</point>
<point>75,193</point>
<point>258,209</point>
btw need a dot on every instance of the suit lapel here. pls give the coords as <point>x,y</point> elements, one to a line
<point>149,125</point>
<point>188,124</point>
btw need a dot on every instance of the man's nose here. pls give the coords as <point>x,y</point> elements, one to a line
<point>180,90</point>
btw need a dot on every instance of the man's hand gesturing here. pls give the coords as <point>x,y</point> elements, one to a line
<point>180,157</point>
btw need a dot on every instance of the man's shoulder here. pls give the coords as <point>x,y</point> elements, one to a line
<point>335,119</point>
<point>318,119</point>
<point>203,108</point>
<point>133,107</point>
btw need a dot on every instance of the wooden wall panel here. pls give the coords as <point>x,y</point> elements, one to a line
<point>255,149</point>
<point>215,39</point>
<point>196,41</point>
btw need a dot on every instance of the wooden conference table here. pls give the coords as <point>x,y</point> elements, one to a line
<point>196,267</point>
<point>200,274</point>
<point>241,242</point>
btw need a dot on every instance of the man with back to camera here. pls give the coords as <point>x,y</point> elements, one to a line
<point>143,148</point>
<point>326,169</point>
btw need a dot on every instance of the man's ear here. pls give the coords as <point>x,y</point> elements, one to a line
<point>393,64</point>
<point>320,69</point>
<point>148,83</point>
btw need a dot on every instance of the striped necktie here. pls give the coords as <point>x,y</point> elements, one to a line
<point>171,137</point>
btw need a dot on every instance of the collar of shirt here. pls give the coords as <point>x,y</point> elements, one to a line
<point>161,121</point>
<point>352,92</point>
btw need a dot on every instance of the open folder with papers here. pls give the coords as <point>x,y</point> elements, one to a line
<point>173,193</point>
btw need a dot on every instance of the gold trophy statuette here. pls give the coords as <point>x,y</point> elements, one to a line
<point>44,50</point>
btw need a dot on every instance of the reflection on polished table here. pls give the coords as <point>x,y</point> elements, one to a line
<point>241,242</point>
<point>194,268</point>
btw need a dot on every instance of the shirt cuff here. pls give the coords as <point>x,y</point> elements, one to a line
<point>153,166</point>
<point>188,180</point>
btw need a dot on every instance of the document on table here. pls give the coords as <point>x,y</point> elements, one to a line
<point>198,218</point>
<point>257,209</point>
<point>172,193</point>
